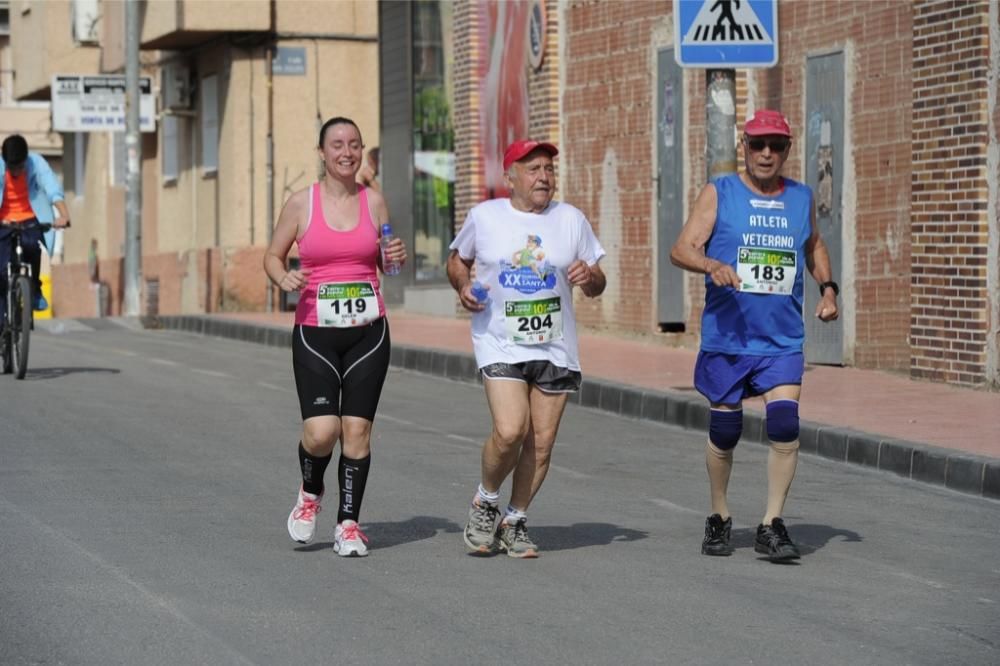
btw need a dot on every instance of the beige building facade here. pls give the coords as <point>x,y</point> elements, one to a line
<point>242,88</point>
<point>24,116</point>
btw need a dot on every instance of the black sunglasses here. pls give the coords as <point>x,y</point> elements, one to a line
<point>776,145</point>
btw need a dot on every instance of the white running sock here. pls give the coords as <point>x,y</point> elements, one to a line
<point>486,496</point>
<point>513,515</point>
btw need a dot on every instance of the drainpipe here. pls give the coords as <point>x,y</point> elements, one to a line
<point>253,128</point>
<point>269,55</point>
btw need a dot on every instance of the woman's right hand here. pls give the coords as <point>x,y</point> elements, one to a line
<point>294,280</point>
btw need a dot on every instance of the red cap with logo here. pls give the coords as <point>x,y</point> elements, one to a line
<point>520,149</point>
<point>766,121</point>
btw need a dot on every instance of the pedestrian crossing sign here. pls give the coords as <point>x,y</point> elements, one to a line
<point>726,33</point>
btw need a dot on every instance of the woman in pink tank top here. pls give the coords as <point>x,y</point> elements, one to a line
<point>340,342</point>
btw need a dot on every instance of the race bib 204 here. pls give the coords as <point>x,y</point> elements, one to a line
<point>533,322</point>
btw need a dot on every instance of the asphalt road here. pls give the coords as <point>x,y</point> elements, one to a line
<point>146,476</point>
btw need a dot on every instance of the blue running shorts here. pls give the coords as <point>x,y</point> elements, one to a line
<point>726,379</point>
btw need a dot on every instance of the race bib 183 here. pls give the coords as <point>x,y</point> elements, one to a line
<point>346,304</point>
<point>533,322</point>
<point>766,271</point>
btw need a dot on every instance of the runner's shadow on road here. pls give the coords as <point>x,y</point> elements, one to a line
<point>581,535</point>
<point>387,535</point>
<point>35,374</point>
<point>812,537</point>
<point>807,536</point>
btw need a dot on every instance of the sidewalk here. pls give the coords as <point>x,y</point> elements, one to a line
<point>929,432</point>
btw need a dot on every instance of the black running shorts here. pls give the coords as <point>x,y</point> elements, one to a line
<point>340,371</point>
<point>543,374</point>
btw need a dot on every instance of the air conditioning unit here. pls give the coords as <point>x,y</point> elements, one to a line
<point>176,86</point>
<point>86,19</point>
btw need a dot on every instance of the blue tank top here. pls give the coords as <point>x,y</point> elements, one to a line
<point>763,238</point>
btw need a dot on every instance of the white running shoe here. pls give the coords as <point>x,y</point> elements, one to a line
<point>302,519</point>
<point>349,540</point>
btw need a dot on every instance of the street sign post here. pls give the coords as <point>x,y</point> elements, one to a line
<point>726,33</point>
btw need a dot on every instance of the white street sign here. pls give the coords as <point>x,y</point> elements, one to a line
<point>96,103</point>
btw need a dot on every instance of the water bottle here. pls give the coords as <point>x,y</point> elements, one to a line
<point>388,267</point>
<point>480,292</point>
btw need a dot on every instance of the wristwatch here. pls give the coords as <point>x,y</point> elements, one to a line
<point>832,285</point>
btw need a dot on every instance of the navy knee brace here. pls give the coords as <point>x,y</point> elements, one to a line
<point>783,420</point>
<point>725,428</point>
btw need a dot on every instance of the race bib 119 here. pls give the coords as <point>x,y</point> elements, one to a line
<point>346,304</point>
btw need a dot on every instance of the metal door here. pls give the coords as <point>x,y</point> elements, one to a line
<point>825,164</point>
<point>669,188</point>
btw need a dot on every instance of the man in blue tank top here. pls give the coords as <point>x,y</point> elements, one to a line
<point>752,235</point>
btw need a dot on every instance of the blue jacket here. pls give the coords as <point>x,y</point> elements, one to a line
<point>44,190</point>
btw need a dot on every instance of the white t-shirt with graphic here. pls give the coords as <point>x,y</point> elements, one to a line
<point>523,257</point>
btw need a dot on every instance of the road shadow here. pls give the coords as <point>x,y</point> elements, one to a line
<point>35,374</point>
<point>812,537</point>
<point>388,535</point>
<point>809,537</point>
<point>580,535</point>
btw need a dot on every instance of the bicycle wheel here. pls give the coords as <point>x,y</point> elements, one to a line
<point>21,326</point>
<point>6,362</point>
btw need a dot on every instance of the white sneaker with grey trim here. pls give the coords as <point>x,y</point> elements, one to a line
<point>349,540</point>
<point>302,519</point>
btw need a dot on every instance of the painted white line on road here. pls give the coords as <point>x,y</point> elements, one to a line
<point>393,419</point>
<point>162,361</point>
<point>470,440</point>
<point>210,373</point>
<point>124,352</point>
<point>273,387</point>
<point>67,544</point>
<point>926,581</point>
<point>568,472</point>
<point>673,507</point>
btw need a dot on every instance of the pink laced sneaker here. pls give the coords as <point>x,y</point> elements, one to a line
<point>302,519</point>
<point>349,540</point>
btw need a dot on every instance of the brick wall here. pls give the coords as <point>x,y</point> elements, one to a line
<point>950,318</point>
<point>192,281</point>
<point>543,95</point>
<point>993,175</point>
<point>468,174</point>
<point>606,162</point>
<point>920,197</point>
<point>878,35</point>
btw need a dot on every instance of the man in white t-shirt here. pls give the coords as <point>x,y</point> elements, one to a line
<point>529,253</point>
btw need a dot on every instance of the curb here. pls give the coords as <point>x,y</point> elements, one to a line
<point>963,472</point>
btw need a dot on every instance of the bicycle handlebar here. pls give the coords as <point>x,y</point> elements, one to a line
<point>26,224</point>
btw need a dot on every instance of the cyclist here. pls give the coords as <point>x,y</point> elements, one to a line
<point>30,190</point>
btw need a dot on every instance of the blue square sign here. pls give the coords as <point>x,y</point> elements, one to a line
<point>726,33</point>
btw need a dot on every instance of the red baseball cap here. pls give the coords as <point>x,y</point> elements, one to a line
<point>766,121</point>
<point>519,149</point>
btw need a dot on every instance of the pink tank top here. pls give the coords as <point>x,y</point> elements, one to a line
<point>343,289</point>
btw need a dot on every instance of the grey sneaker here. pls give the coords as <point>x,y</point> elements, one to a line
<point>480,534</point>
<point>514,539</point>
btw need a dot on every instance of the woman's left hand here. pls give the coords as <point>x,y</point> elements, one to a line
<point>396,251</point>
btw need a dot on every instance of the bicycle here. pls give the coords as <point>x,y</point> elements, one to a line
<point>15,333</point>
